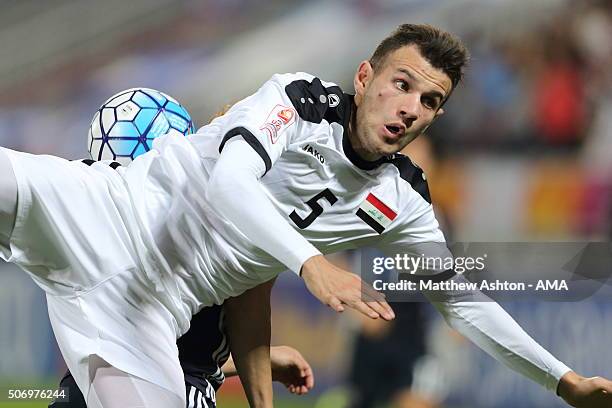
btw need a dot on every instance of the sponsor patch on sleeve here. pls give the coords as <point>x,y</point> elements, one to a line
<point>279,119</point>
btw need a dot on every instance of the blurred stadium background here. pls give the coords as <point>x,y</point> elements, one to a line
<point>524,151</point>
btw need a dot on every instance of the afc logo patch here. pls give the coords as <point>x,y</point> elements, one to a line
<point>280,118</point>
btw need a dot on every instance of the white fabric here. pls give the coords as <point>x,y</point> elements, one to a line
<point>120,321</point>
<point>486,324</point>
<point>71,237</point>
<point>8,200</point>
<point>240,198</point>
<point>113,388</point>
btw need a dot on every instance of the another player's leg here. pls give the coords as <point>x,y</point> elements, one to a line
<point>199,393</point>
<point>68,394</point>
<point>113,388</point>
<point>8,199</point>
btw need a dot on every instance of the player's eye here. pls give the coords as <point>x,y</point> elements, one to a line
<point>430,103</point>
<point>401,84</point>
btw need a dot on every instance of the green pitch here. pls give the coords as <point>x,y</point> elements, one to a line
<point>238,402</point>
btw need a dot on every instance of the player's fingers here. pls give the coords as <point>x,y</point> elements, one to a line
<point>365,309</point>
<point>367,287</point>
<point>301,363</point>
<point>367,297</point>
<point>370,292</point>
<point>378,303</point>
<point>380,308</point>
<point>308,378</point>
<point>335,304</point>
<point>388,313</point>
<point>606,385</point>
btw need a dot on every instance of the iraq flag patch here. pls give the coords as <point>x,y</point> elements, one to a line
<point>375,213</point>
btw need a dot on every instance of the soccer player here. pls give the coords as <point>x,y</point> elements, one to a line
<point>294,171</point>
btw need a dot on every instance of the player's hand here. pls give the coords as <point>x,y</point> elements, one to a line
<point>291,369</point>
<point>336,288</point>
<point>581,392</point>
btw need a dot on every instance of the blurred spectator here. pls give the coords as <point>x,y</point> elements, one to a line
<point>384,357</point>
<point>559,95</point>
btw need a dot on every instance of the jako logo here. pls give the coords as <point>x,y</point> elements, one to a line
<point>309,149</point>
<point>280,118</point>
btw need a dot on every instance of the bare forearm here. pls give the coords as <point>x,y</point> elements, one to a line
<point>256,377</point>
<point>248,324</point>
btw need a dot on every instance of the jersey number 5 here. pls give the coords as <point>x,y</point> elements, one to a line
<point>316,208</point>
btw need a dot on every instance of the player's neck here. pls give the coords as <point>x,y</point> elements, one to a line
<point>354,149</point>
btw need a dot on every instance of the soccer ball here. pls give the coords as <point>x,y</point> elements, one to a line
<point>126,124</point>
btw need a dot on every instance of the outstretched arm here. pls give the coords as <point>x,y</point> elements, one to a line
<point>486,324</point>
<point>248,328</point>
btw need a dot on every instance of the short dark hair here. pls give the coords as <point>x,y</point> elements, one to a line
<point>443,50</point>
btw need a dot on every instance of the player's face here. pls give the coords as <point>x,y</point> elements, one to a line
<point>396,103</point>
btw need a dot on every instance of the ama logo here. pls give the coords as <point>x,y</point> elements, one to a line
<point>279,119</point>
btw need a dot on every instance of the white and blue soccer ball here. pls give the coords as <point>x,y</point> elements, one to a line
<point>126,124</point>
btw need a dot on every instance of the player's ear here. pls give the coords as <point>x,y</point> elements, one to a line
<point>363,76</point>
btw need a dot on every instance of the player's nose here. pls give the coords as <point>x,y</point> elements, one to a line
<point>409,108</point>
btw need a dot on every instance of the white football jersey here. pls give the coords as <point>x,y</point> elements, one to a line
<point>297,124</point>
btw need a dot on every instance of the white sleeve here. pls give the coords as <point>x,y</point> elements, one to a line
<point>267,120</point>
<point>492,329</point>
<point>234,182</point>
<point>472,313</point>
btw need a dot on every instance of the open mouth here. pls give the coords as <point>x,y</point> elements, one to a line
<point>395,130</point>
